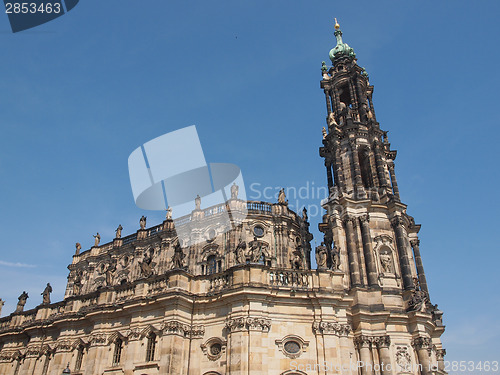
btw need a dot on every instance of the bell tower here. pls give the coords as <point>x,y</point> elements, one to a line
<point>366,226</point>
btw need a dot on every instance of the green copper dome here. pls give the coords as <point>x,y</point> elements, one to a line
<point>341,49</point>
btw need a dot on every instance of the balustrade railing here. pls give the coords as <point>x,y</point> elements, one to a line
<point>289,278</point>
<point>259,207</point>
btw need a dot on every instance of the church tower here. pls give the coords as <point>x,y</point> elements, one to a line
<point>367,229</point>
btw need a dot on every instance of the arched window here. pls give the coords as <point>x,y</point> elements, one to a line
<point>211,265</point>
<point>117,355</point>
<point>364,164</point>
<point>151,346</point>
<point>79,358</point>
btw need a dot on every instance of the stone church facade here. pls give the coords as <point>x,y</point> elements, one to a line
<point>246,300</point>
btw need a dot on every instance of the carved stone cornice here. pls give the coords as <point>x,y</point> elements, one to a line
<point>134,334</point>
<point>64,345</point>
<point>98,339</point>
<point>440,353</point>
<point>382,341</point>
<point>367,341</point>
<point>174,327</point>
<point>363,341</point>
<point>364,218</point>
<point>248,324</point>
<point>414,243</point>
<point>331,328</point>
<point>422,343</point>
<point>396,221</point>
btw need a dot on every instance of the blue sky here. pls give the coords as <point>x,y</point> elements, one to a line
<point>79,94</point>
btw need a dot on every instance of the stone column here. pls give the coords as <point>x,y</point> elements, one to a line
<point>337,165</point>
<point>440,353</point>
<point>403,253</point>
<point>363,343</point>
<point>395,189</point>
<point>328,105</point>
<point>420,267</point>
<point>358,181</point>
<point>423,346</point>
<point>383,345</point>
<point>371,269</point>
<point>352,251</point>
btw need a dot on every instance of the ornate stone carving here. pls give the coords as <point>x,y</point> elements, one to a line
<point>363,341</point>
<point>46,295</point>
<point>422,343</point>
<point>248,324</point>
<point>403,358</point>
<point>22,301</point>
<point>331,328</point>
<point>178,257</point>
<point>335,255</point>
<point>78,247</point>
<point>440,353</point>
<point>364,218</point>
<point>239,252</point>
<point>234,191</point>
<point>119,231</point>
<point>142,222</point>
<point>64,345</point>
<point>98,339</point>
<point>386,262</point>
<point>282,198</point>
<point>419,300</point>
<point>321,256</point>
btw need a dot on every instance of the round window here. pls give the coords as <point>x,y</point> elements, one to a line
<point>292,347</point>
<point>215,348</point>
<point>258,231</point>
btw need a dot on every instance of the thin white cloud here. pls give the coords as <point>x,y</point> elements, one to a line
<point>11,264</point>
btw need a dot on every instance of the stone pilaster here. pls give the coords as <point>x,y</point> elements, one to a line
<point>420,267</point>
<point>358,181</point>
<point>423,347</point>
<point>371,268</point>
<point>363,345</point>
<point>395,188</point>
<point>397,224</point>
<point>352,251</point>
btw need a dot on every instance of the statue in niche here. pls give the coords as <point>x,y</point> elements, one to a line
<point>335,255</point>
<point>234,191</point>
<point>255,251</point>
<point>386,262</point>
<point>22,301</point>
<point>239,252</point>
<point>46,295</point>
<point>97,239</point>
<point>77,283</point>
<point>178,258</point>
<point>168,216</point>
<point>78,248</point>
<point>197,203</point>
<point>296,261</point>
<point>142,222</point>
<point>282,197</point>
<point>119,231</point>
<point>146,267</point>
<point>321,256</point>
<point>110,270</point>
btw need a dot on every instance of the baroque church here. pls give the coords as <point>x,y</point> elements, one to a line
<point>247,300</point>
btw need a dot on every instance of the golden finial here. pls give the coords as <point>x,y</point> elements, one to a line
<point>337,26</point>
